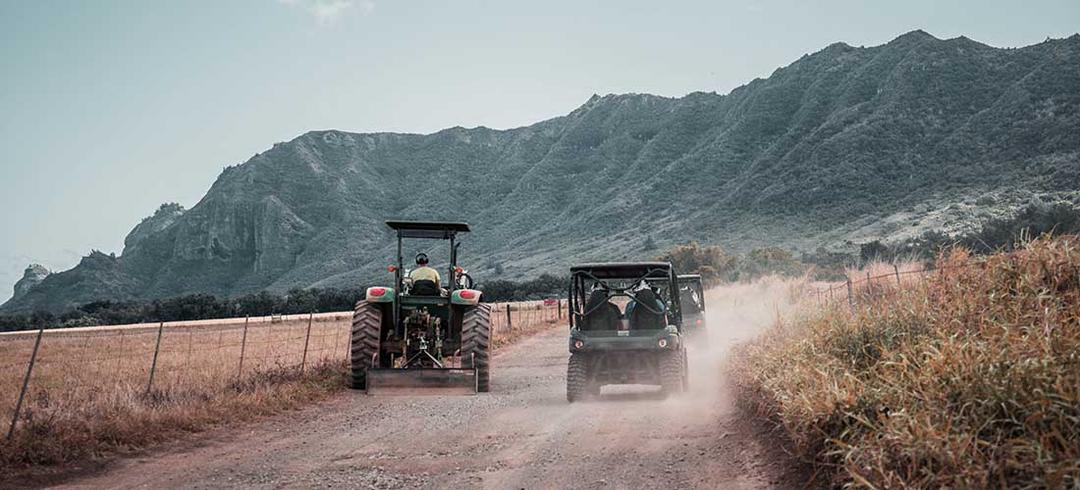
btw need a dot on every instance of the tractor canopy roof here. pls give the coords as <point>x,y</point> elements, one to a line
<point>624,270</point>
<point>427,229</point>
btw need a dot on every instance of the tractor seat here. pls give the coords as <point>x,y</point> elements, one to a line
<point>425,288</point>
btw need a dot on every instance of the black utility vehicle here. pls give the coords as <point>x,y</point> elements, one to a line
<point>625,328</point>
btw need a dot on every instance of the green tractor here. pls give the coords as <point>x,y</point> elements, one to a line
<point>419,336</point>
<point>692,300</point>
<point>625,328</point>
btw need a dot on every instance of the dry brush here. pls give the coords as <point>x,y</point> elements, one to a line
<point>967,378</point>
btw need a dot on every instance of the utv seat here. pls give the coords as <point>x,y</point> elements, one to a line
<point>600,314</point>
<point>643,319</point>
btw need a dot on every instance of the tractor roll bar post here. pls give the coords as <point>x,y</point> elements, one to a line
<point>398,282</point>
<point>452,284</point>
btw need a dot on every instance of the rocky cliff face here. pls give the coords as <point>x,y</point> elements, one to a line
<point>843,144</point>
<point>32,276</point>
<point>164,217</point>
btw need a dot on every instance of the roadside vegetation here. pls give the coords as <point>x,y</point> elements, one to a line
<point>968,378</point>
<point>92,392</point>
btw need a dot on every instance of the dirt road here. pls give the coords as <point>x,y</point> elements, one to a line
<point>521,435</point>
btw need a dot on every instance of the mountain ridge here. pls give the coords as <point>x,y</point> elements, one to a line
<point>843,143</point>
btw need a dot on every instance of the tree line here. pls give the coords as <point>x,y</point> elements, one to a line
<point>200,306</point>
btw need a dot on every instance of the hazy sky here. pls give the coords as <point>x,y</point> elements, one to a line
<point>109,108</point>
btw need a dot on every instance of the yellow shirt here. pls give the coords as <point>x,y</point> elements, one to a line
<point>425,273</point>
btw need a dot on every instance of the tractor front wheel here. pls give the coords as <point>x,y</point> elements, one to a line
<point>476,343</point>
<point>366,323</point>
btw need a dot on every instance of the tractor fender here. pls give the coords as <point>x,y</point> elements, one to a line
<point>378,294</point>
<point>466,297</point>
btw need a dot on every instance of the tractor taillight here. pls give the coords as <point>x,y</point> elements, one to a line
<point>579,344</point>
<point>662,343</point>
<point>700,321</point>
<point>458,270</point>
<point>377,291</point>
<point>467,294</point>
<point>391,268</point>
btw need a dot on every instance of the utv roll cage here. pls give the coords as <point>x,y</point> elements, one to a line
<point>692,282</point>
<point>630,274</point>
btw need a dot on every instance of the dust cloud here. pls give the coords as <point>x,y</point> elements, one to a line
<point>735,313</point>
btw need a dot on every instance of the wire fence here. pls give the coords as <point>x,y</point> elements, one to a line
<point>878,278</point>
<point>81,370</point>
<point>506,317</point>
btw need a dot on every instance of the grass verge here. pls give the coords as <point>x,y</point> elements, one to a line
<point>88,397</point>
<point>969,378</point>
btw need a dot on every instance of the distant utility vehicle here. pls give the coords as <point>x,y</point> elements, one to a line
<point>418,336</point>
<point>692,300</point>
<point>625,328</point>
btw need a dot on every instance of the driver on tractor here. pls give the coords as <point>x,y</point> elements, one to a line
<point>425,280</point>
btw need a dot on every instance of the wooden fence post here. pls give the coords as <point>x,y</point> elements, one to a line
<point>897,270</point>
<point>190,334</point>
<point>307,338</point>
<point>243,346</point>
<point>26,383</point>
<point>120,353</point>
<point>850,295</point>
<point>509,320</point>
<point>153,364</point>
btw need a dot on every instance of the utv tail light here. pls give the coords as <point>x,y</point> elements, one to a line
<point>391,268</point>
<point>458,270</point>
<point>467,294</point>
<point>579,344</point>
<point>377,291</point>
<point>700,321</point>
<point>662,343</point>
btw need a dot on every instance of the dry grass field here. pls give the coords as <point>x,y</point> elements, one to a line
<point>91,391</point>
<point>968,378</point>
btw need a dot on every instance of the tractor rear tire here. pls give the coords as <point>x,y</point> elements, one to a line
<point>366,325</point>
<point>577,378</point>
<point>476,344</point>
<point>671,372</point>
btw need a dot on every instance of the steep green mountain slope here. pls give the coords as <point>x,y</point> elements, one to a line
<point>843,144</point>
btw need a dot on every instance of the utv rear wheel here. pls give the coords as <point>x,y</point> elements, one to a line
<point>366,323</point>
<point>475,344</point>
<point>685,370</point>
<point>577,378</point>
<point>671,372</point>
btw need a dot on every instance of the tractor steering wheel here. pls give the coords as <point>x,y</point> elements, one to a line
<point>465,281</point>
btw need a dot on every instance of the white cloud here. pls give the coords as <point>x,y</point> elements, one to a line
<point>329,11</point>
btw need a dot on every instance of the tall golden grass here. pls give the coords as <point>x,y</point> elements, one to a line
<point>90,391</point>
<point>965,379</point>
